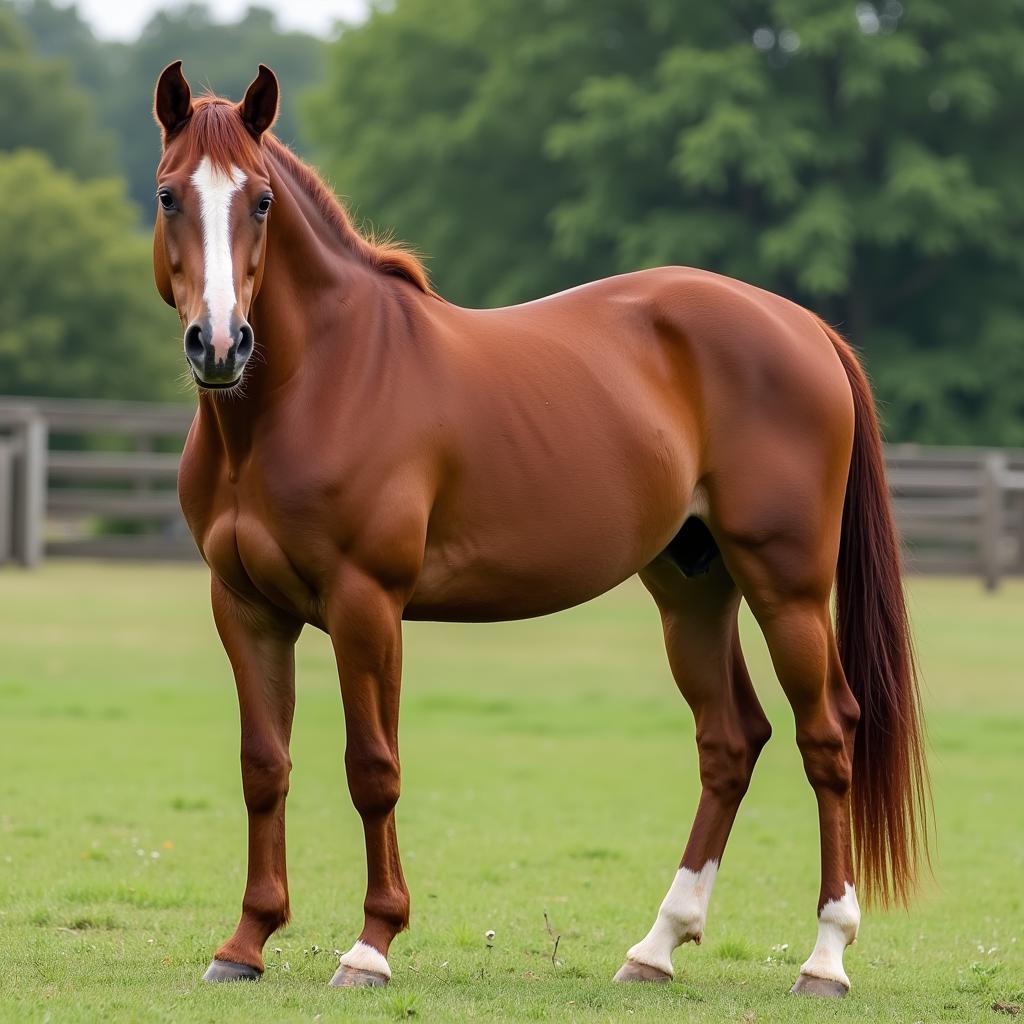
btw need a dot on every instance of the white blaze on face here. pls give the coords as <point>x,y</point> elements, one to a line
<point>680,918</point>
<point>216,189</point>
<point>837,928</point>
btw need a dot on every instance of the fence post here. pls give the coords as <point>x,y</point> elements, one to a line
<point>993,468</point>
<point>6,498</point>
<point>29,504</point>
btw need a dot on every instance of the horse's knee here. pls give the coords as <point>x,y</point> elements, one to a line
<point>265,771</point>
<point>390,905</point>
<point>266,900</point>
<point>374,780</point>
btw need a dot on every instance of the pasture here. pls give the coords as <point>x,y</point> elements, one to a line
<point>549,768</point>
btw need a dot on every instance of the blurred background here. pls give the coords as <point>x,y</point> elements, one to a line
<point>862,158</point>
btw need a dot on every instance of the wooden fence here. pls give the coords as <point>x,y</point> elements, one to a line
<point>107,473</point>
<point>97,479</point>
<point>959,510</point>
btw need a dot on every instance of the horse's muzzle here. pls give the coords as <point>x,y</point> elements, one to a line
<point>217,362</point>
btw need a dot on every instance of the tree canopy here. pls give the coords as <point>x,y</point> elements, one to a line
<point>862,159</point>
<point>40,108</point>
<point>221,56</point>
<point>78,316</point>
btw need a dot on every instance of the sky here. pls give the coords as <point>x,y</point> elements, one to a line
<point>118,19</point>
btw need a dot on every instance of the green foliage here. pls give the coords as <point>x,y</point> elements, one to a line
<point>60,32</point>
<point>432,119</point>
<point>77,309</point>
<point>40,108</point>
<point>862,159</point>
<point>221,56</point>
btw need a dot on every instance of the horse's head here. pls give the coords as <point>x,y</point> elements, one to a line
<point>214,198</point>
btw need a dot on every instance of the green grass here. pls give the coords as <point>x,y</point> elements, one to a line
<point>549,767</point>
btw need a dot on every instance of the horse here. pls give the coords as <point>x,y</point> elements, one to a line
<point>365,452</point>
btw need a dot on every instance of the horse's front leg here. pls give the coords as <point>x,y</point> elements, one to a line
<point>260,645</point>
<point>365,622</point>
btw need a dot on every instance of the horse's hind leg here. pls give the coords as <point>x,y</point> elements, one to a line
<point>787,584</point>
<point>701,636</point>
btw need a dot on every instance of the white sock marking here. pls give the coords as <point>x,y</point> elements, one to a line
<point>837,928</point>
<point>363,957</point>
<point>216,190</point>
<point>680,918</point>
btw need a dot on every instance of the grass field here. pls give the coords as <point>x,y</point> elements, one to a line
<point>549,767</point>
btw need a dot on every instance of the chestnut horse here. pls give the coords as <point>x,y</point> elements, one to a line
<point>365,452</point>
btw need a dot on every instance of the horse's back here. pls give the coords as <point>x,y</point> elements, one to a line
<point>590,424</point>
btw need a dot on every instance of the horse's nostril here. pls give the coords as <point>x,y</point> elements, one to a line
<point>245,342</point>
<point>194,348</point>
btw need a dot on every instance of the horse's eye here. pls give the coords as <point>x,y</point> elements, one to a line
<point>166,199</point>
<point>263,207</point>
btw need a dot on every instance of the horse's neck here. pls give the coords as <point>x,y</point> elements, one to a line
<point>311,283</point>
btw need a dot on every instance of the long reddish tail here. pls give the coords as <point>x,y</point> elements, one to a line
<point>890,794</point>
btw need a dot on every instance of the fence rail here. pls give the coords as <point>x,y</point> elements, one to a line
<point>105,477</point>
<point>959,510</point>
<point>98,480</point>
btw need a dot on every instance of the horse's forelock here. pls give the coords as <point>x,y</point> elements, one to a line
<point>216,130</point>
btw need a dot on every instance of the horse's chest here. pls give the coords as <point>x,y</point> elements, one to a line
<point>242,550</point>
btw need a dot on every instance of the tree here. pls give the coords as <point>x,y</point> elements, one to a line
<point>41,109</point>
<point>78,315</point>
<point>221,56</point>
<point>61,33</point>
<point>862,159</point>
<point>433,120</point>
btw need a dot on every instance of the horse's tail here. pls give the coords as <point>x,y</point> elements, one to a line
<point>890,794</point>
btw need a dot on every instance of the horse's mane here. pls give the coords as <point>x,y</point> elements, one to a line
<point>216,130</point>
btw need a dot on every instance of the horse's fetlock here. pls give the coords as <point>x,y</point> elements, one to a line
<point>267,902</point>
<point>687,923</point>
<point>390,908</point>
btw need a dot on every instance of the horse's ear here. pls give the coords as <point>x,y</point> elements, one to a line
<point>172,101</point>
<point>259,108</point>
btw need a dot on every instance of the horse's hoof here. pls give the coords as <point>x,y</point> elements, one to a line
<point>823,988</point>
<point>633,970</point>
<point>226,970</point>
<point>356,977</point>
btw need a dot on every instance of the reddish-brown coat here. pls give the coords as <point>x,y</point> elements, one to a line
<point>391,455</point>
